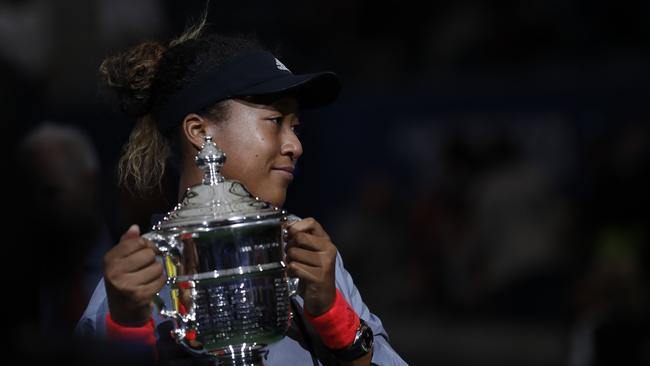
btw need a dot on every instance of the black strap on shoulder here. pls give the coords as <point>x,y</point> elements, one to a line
<point>298,317</point>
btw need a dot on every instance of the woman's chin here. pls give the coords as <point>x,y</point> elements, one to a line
<point>277,202</point>
<point>278,199</point>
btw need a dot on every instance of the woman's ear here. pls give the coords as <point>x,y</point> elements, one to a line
<point>194,128</point>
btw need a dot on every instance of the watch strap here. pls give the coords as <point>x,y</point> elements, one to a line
<point>360,347</point>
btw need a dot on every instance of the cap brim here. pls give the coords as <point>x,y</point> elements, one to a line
<point>311,90</point>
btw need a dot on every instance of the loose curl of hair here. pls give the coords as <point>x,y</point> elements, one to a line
<point>144,77</point>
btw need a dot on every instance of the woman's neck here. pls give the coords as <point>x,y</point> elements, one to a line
<point>190,176</point>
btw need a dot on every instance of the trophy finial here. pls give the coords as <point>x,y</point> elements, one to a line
<point>211,159</point>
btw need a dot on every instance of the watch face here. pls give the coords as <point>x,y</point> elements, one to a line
<point>367,338</point>
<point>362,344</point>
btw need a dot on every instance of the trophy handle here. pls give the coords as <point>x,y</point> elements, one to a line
<point>292,282</point>
<point>165,245</point>
<point>162,308</point>
<point>165,248</point>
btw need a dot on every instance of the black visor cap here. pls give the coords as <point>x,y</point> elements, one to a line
<point>256,74</point>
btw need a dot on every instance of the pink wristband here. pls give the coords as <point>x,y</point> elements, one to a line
<point>338,326</point>
<point>144,334</point>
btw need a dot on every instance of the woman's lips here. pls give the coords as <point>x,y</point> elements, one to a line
<point>286,171</point>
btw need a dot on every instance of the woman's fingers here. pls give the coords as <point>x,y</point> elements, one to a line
<point>155,285</point>
<point>137,260</point>
<point>308,241</point>
<point>132,276</point>
<point>304,256</point>
<point>128,281</point>
<point>317,286</point>
<point>148,274</point>
<point>143,293</point>
<point>304,271</point>
<point>126,247</point>
<point>308,225</point>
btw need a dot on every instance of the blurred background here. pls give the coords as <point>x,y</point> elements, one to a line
<point>484,174</point>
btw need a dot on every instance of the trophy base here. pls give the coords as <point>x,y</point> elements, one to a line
<point>249,357</point>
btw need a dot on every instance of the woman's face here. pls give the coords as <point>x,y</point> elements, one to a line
<point>261,145</point>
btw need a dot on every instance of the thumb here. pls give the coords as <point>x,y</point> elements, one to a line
<point>132,232</point>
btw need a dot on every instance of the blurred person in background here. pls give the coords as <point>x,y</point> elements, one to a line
<point>62,232</point>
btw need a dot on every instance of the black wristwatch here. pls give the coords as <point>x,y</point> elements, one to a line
<point>362,344</point>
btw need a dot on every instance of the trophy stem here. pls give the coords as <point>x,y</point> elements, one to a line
<point>249,357</point>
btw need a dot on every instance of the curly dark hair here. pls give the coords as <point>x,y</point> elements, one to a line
<point>145,76</point>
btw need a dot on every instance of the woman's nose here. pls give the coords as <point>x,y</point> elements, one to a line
<point>291,146</point>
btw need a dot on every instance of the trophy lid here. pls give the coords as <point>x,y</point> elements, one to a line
<point>216,201</point>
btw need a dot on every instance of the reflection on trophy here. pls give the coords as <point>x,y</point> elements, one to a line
<point>223,251</point>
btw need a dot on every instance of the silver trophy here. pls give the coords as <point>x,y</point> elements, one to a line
<point>224,257</point>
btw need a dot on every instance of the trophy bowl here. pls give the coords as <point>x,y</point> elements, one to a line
<point>224,256</point>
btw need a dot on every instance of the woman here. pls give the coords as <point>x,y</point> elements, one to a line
<point>233,90</point>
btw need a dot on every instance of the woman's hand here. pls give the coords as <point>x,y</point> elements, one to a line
<point>311,256</point>
<point>132,277</point>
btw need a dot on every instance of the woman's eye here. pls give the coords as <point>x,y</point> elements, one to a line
<point>277,120</point>
<point>296,129</point>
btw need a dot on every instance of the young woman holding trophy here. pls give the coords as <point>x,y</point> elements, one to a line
<point>248,102</point>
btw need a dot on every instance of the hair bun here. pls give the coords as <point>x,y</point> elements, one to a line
<point>131,75</point>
